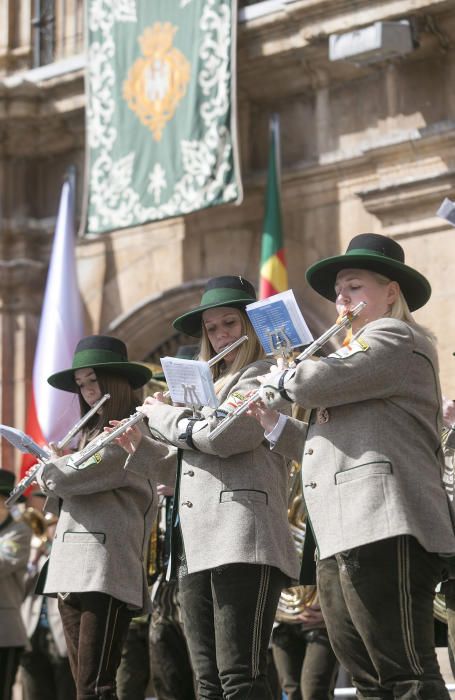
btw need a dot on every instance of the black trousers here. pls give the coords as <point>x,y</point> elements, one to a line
<point>9,661</point>
<point>228,615</point>
<point>133,674</point>
<point>306,665</point>
<point>44,674</point>
<point>95,627</point>
<point>377,601</point>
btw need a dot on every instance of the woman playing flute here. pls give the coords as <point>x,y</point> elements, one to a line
<point>97,561</point>
<point>372,472</point>
<point>232,550</point>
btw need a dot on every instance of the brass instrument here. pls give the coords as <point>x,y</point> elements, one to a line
<point>30,477</point>
<point>295,599</point>
<point>341,323</point>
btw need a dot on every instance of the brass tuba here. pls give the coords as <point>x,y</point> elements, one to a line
<point>295,599</point>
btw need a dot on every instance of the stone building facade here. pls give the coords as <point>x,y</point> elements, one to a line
<point>364,148</point>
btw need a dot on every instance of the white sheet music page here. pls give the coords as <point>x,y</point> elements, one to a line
<point>189,382</point>
<point>23,442</point>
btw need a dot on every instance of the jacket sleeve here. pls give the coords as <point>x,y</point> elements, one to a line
<point>292,439</point>
<point>102,472</point>
<point>375,369</point>
<point>14,549</point>
<point>143,461</point>
<point>242,435</point>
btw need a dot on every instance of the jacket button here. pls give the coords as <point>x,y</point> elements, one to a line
<point>312,485</point>
<point>309,451</point>
<point>189,473</point>
<point>187,503</point>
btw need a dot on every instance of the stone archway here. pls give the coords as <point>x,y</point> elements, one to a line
<point>147,327</point>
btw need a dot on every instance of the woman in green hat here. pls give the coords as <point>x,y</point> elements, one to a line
<point>98,556</point>
<point>232,550</point>
<point>371,471</point>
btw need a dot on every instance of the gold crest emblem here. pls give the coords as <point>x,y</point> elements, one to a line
<point>157,81</point>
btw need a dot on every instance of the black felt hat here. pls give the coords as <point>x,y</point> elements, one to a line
<point>6,481</point>
<point>101,352</point>
<point>229,290</point>
<point>377,253</point>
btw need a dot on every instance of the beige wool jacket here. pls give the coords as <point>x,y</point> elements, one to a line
<point>15,539</point>
<point>103,530</point>
<point>233,493</point>
<point>372,465</point>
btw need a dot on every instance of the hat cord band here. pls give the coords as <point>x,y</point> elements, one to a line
<point>217,296</point>
<point>94,356</point>
<point>372,253</point>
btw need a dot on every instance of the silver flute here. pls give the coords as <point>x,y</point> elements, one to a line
<point>310,350</point>
<point>105,438</point>
<point>30,477</point>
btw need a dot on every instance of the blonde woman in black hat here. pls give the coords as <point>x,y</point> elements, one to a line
<point>372,472</point>
<point>232,550</point>
<point>98,555</point>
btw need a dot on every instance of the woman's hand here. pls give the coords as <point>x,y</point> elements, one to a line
<point>267,417</point>
<point>448,412</point>
<point>55,451</point>
<point>164,490</point>
<point>130,439</point>
<point>311,615</point>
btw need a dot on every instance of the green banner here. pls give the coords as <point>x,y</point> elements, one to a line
<point>161,117</point>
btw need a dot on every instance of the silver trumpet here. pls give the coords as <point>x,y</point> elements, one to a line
<point>105,438</point>
<point>24,483</point>
<point>310,350</point>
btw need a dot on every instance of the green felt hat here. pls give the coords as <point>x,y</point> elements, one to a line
<point>101,352</point>
<point>371,251</point>
<point>228,290</point>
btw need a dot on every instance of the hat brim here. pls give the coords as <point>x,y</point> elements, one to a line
<point>137,374</point>
<point>415,287</point>
<point>191,322</point>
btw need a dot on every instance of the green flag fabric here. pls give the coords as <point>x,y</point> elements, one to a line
<point>161,116</point>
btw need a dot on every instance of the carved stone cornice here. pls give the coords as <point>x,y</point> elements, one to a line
<point>408,208</point>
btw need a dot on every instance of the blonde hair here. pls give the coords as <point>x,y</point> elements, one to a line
<point>400,309</point>
<point>250,351</point>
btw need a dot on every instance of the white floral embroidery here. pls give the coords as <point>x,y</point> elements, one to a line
<point>207,162</point>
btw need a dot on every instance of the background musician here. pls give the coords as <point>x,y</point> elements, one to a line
<point>15,536</point>
<point>232,550</point>
<point>372,472</point>
<point>97,561</point>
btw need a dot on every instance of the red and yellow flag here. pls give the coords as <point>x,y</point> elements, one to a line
<point>273,272</point>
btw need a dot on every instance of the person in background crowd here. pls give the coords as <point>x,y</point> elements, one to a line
<point>44,670</point>
<point>372,472</point>
<point>15,537</point>
<point>97,560</point>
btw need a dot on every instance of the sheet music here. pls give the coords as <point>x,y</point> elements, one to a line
<point>23,442</point>
<point>279,316</point>
<point>447,211</point>
<point>189,382</point>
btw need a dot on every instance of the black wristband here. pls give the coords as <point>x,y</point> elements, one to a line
<point>188,434</point>
<point>282,390</point>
